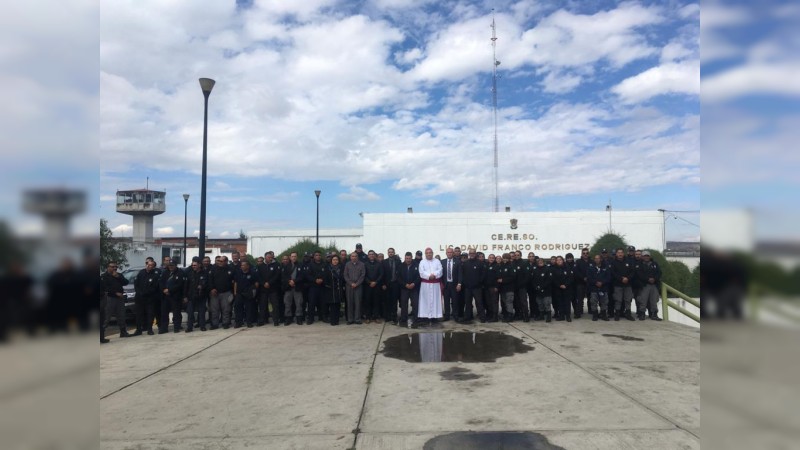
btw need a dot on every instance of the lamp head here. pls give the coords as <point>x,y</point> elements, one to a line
<point>186,197</point>
<point>207,84</point>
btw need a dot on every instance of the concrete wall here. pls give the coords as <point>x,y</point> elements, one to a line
<point>544,233</point>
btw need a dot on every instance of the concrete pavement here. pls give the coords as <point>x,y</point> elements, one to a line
<point>584,385</point>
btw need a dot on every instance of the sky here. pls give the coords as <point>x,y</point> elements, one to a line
<point>387,104</point>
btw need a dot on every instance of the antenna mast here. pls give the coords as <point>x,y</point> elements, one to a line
<point>494,105</point>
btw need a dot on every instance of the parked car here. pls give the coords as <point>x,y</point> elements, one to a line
<point>130,293</point>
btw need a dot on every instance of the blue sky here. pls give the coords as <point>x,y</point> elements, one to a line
<point>386,104</point>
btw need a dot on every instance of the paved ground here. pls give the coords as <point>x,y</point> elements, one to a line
<point>323,387</point>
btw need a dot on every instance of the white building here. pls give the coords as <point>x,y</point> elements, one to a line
<point>544,233</point>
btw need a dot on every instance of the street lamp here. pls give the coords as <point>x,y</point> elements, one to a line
<point>317,192</point>
<point>185,209</point>
<point>206,84</point>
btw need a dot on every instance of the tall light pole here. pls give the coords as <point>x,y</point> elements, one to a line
<point>663,229</point>
<point>185,209</point>
<point>317,192</point>
<point>206,84</point>
<point>608,208</point>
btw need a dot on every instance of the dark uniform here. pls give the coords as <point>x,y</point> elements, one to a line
<point>409,275</point>
<point>648,276</point>
<point>391,286</point>
<point>543,288</point>
<point>373,273</point>
<point>598,295</point>
<point>507,281</point>
<point>451,277</point>
<point>521,310</point>
<point>114,301</point>
<point>563,276</point>
<point>244,304</point>
<point>473,273</point>
<point>333,293</point>
<point>148,289</point>
<point>196,292</point>
<point>172,281</point>
<point>622,272</point>
<point>317,271</point>
<point>491,296</point>
<point>269,279</point>
<point>581,279</point>
<point>221,279</point>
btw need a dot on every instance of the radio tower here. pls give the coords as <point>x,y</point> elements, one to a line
<point>494,105</point>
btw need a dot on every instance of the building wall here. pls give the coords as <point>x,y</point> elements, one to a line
<point>544,233</point>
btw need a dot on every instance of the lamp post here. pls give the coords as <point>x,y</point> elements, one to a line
<point>185,209</point>
<point>317,192</point>
<point>206,84</point>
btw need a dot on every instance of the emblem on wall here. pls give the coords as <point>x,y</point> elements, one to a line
<point>513,224</point>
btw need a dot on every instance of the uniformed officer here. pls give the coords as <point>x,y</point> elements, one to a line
<point>622,273</point>
<point>581,279</point>
<point>473,272</point>
<point>649,275</point>
<point>292,281</point>
<point>316,272</point>
<point>534,307</point>
<point>114,297</point>
<point>245,288</point>
<point>196,296</point>
<point>543,286</point>
<point>269,279</point>
<point>572,292</point>
<point>409,283</point>
<point>172,282</point>
<point>598,278</point>
<point>391,285</point>
<point>521,309</point>
<point>373,277</point>
<point>147,286</point>
<point>487,311</point>
<point>507,281</point>
<point>221,299</point>
<point>563,279</point>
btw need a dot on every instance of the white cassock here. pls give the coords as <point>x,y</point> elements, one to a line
<point>430,346</point>
<point>430,293</point>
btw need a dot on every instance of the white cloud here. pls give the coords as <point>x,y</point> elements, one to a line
<point>560,83</point>
<point>165,231</point>
<point>358,193</point>
<point>431,202</point>
<point>669,78</point>
<point>108,198</point>
<point>780,78</point>
<point>225,234</point>
<point>122,230</point>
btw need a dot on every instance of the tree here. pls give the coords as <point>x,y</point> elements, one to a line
<point>680,276</point>
<point>307,245</point>
<point>241,234</point>
<point>9,249</point>
<point>110,248</point>
<point>608,241</point>
<point>693,288</point>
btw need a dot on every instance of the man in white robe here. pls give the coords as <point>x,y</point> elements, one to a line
<point>430,292</point>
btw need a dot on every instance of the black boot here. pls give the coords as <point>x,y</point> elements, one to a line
<point>547,317</point>
<point>640,315</point>
<point>569,317</point>
<point>616,315</point>
<point>604,316</point>
<point>299,320</point>
<point>559,318</point>
<point>594,316</point>
<point>287,321</point>
<point>629,316</point>
<point>103,339</point>
<point>655,317</point>
<point>526,317</point>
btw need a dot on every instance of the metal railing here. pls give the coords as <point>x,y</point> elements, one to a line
<point>667,304</point>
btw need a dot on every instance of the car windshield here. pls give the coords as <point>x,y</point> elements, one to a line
<point>130,274</point>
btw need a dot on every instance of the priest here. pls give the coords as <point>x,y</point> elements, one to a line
<point>430,293</point>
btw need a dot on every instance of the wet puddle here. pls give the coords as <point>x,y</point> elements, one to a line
<point>453,346</point>
<point>468,440</point>
<point>624,338</point>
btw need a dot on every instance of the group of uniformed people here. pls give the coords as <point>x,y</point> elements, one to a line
<point>371,287</point>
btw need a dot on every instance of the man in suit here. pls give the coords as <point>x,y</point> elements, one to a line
<point>451,279</point>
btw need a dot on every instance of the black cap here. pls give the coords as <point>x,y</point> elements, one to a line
<point>630,247</point>
<point>569,255</point>
<point>419,252</point>
<point>173,262</point>
<point>604,251</point>
<point>358,246</point>
<point>307,254</point>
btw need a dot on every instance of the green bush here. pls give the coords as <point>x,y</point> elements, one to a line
<point>307,245</point>
<point>609,241</point>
